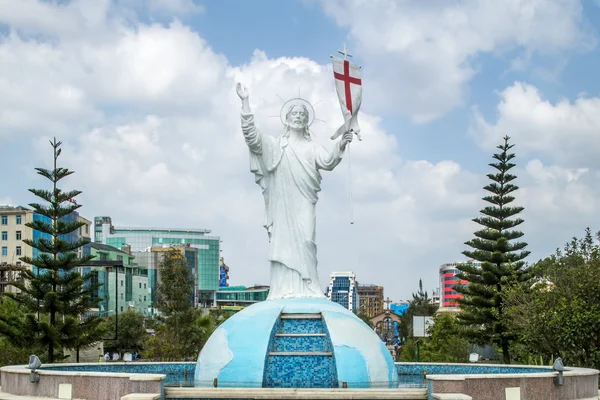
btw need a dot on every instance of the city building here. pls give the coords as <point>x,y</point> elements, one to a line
<point>238,297</point>
<point>449,296</point>
<point>13,231</point>
<point>342,290</point>
<point>145,239</point>
<point>370,299</point>
<point>223,274</point>
<point>123,289</point>
<point>435,298</point>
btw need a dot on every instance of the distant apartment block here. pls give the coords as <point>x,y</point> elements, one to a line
<point>13,231</point>
<point>370,299</point>
<point>342,290</point>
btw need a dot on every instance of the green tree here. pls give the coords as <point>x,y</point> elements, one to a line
<point>13,351</point>
<point>132,332</point>
<point>184,343</point>
<point>53,293</point>
<point>446,342</point>
<point>181,330</point>
<point>420,305</point>
<point>560,314</point>
<point>501,259</point>
<point>175,289</point>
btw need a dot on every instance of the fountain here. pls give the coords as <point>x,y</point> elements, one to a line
<point>296,338</point>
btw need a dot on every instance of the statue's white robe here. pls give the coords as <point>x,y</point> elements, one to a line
<point>287,170</point>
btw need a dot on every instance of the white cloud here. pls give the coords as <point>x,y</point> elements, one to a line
<point>420,55</point>
<point>150,121</point>
<point>155,140</point>
<point>565,131</point>
<point>177,7</point>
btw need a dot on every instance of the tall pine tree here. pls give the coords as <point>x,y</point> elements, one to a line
<point>54,293</point>
<point>500,255</point>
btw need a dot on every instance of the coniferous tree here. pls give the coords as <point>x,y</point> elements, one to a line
<point>176,286</point>
<point>183,330</point>
<point>500,255</point>
<point>54,294</point>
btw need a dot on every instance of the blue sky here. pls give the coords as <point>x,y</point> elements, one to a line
<point>142,95</point>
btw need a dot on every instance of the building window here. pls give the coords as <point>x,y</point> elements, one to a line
<point>121,308</point>
<point>4,235</point>
<point>5,220</point>
<point>144,298</point>
<point>4,251</point>
<point>18,250</point>
<point>87,228</point>
<point>140,285</point>
<point>121,285</point>
<point>144,286</point>
<point>121,293</point>
<point>18,235</point>
<point>19,220</point>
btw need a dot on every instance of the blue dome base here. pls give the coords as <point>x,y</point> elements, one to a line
<point>295,343</point>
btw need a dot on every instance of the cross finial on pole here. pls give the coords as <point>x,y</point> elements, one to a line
<point>345,52</point>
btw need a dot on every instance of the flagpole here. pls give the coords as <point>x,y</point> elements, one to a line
<point>350,186</point>
<point>346,54</point>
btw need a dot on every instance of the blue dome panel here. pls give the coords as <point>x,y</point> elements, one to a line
<point>314,341</point>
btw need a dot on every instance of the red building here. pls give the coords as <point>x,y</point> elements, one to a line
<point>448,280</point>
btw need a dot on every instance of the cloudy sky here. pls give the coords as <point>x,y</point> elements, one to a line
<point>142,95</point>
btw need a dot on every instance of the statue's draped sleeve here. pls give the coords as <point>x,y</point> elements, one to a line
<point>265,154</point>
<point>328,161</point>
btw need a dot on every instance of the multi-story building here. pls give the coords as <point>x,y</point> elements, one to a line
<point>123,288</point>
<point>370,299</point>
<point>449,296</point>
<point>144,239</point>
<point>435,298</point>
<point>223,274</point>
<point>13,231</point>
<point>342,290</point>
<point>238,297</point>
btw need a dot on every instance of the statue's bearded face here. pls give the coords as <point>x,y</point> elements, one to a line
<point>297,116</point>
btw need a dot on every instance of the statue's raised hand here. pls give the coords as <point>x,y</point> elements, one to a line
<point>241,91</point>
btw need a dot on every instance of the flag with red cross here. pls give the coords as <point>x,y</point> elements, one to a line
<point>348,85</point>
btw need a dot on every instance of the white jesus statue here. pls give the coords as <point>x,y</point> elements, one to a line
<point>287,170</point>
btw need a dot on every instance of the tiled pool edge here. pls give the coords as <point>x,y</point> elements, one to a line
<point>580,383</point>
<point>85,384</point>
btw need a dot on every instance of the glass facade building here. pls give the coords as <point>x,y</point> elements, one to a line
<point>207,268</point>
<point>124,289</point>
<point>241,296</point>
<point>342,290</point>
